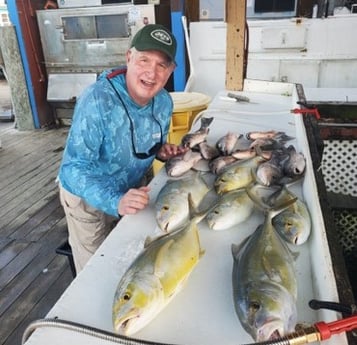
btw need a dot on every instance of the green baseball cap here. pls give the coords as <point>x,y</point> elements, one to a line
<point>155,37</point>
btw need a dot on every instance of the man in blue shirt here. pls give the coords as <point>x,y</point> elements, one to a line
<point>120,124</point>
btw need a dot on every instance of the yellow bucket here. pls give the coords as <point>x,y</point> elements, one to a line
<point>186,106</point>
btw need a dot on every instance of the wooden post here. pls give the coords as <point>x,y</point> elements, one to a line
<point>16,78</point>
<point>235,19</point>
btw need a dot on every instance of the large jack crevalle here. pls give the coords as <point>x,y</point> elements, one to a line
<point>264,283</point>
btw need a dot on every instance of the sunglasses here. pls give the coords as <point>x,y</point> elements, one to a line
<point>153,150</point>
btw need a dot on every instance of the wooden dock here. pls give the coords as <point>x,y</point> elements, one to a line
<point>32,226</point>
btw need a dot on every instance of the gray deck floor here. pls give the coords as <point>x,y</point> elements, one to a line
<point>32,226</point>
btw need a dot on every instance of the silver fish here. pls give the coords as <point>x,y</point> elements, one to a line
<point>249,153</point>
<point>192,139</point>
<point>227,143</point>
<point>208,152</point>
<point>218,164</point>
<point>270,172</point>
<point>268,143</point>
<point>232,208</point>
<point>171,206</point>
<point>293,223</point>
<point>272,134</point>
<point>237,175</point>
<point>180,164</point>
<point>295,165</point>
<point>264,284</point>
<point>155,277</point>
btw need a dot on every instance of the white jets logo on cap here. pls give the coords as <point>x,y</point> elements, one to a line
<point>161,36</point>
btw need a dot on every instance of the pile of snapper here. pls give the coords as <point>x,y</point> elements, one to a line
<point>264,279</point>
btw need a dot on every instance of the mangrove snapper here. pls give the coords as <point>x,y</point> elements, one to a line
<point>227,143</point>
<point>180,164</point>
<point>192,139</point>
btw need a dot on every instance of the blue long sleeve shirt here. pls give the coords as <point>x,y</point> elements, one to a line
<point>98,162</point>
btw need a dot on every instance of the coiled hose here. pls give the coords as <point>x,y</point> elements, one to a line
<point>297,338</point>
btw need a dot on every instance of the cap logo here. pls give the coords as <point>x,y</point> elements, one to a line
<point>161,36</point>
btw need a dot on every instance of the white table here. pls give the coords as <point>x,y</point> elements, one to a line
<point>203,312</point>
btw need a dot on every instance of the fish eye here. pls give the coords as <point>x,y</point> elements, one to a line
<point>126,296</point>
<point>289,224</point>
<point>254,306</point>
<point>166,208</point>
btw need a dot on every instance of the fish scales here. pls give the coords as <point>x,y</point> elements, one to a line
<point>232,208</point>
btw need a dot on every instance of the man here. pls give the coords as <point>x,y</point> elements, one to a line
<point>120,124</point>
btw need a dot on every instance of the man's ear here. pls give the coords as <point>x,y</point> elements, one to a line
<point>128,55</point>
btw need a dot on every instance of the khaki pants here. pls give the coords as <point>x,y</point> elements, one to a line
<point>87,227</point>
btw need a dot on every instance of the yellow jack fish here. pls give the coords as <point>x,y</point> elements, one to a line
<point>155,277</point>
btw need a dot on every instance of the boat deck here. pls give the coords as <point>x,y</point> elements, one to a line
<point>32,226</point>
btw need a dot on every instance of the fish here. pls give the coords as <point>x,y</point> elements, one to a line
<point>295,164</point>
<point>237,175</point>
<point>268,143</point>
<point>155,277</point>
<point>232,208</point>
<point>171,205</point>
<point>179,165</point>
<point>192,139</point>
<point>270,172</point>
<point>264,283</point>
<point>294,223</point>
<point>249,153</point>
<point>208,152</point>
<point>272,134</point>
<point>227,143</point>
<point>217,165</point>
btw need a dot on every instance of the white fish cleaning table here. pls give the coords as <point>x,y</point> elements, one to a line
<point>203,312</point>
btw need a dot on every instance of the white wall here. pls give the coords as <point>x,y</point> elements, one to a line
<point>318,52</point>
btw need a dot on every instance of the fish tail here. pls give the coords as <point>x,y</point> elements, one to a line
<point>205,122</point>
<point>272,211</point>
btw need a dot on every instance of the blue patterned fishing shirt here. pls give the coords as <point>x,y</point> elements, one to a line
<point>98,163</point>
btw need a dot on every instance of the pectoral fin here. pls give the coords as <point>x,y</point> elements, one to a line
<point>161,257</point>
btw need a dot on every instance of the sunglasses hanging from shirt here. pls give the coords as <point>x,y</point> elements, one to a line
<point>153,150</point>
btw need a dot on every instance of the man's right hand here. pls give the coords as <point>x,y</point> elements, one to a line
<point>134,200</point>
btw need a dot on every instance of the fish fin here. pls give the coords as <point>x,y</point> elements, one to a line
<point>160,257</point>
<point>294,254</point>
<point>236,248</point>
<point>148,240</point>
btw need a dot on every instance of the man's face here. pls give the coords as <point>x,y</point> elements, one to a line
<point>147,73</point>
